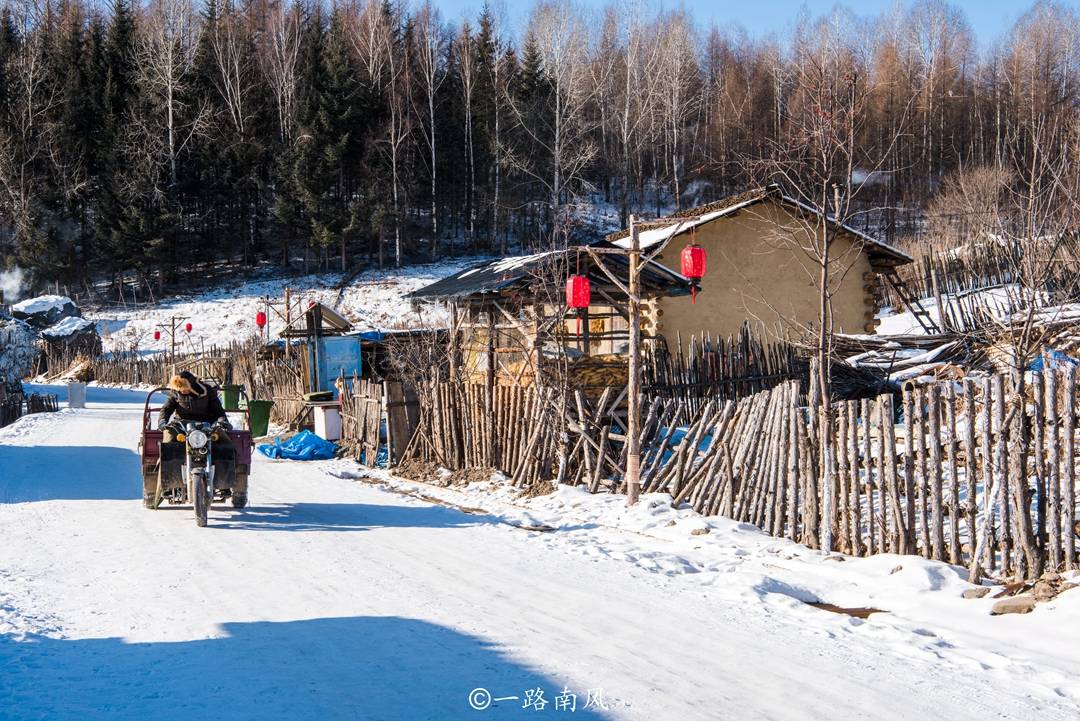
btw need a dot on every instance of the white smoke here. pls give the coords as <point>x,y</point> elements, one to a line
<point>11,283</point>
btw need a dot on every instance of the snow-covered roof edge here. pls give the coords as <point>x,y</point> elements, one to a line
<point>494,276</point>
<point>655,235</point>
<point>890,249</point>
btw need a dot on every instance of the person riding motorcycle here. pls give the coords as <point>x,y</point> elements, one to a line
<point>192,400</point>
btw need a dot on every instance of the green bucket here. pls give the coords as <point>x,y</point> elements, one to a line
<point>230,396</point>
<point>259,413</point>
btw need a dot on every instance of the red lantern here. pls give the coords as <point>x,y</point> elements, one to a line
<point>693,266</point>
<point>157,335</point>
<point>187,327</point>
<point>260,319</point>
<point>578,294</point>
<point>577,291</point>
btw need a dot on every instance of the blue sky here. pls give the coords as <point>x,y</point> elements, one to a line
<point>988,18</point>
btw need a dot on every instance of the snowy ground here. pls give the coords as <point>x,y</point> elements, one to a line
<point>373,300</point>
<point>337,595</point>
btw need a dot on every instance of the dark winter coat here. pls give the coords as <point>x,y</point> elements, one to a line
<point>200,404</point>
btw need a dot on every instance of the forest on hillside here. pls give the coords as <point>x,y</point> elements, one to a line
<point>148,137</point>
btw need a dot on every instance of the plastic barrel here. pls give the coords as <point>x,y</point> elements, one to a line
<point>230,395</point>
<point>259,411</point>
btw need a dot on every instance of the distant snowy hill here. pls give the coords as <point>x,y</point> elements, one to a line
<point>374,299</point>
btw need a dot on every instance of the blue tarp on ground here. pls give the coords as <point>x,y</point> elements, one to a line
<point>304,446</point>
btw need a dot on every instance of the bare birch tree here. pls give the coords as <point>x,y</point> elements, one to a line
<point>234,76</point>
<point>679,96</point>
<point>638,90</point>
<point>25,134</point>
<point>467,77</point>
<point>562,131</point>
<point>813,163</point>
<point>430,49</point>
<point>278,57</point>
<point>165,56</point>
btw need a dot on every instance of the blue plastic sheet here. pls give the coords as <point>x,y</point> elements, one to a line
<point>304,446</point>
<point>1052,359</point>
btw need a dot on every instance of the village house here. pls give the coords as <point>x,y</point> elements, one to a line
<point>760,270</point>
<point>510,323</point>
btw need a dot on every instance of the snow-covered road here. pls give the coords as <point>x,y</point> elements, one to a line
<point>333,599</point>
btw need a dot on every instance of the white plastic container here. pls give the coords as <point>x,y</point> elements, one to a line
<point>328,422</point>
<point>76,393</point>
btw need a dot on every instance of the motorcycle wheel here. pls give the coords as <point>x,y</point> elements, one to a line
<point>199,498</point>
<point>239,500</point>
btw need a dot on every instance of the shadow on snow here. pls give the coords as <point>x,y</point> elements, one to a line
<point>370,668</point>
<point>49,473</point>
<point>338,517</point>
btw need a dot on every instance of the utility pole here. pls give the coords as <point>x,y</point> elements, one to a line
<point>633,384</point>
<point>288,322</point>
<point>174,321</point>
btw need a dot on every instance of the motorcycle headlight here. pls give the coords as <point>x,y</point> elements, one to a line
<point>197,439</point>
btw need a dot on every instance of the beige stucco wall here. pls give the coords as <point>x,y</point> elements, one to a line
<point>756,271</point>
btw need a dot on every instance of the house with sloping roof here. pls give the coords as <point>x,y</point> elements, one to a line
<point>761,267</point>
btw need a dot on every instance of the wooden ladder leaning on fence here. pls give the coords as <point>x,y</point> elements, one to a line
<point>910,301</point>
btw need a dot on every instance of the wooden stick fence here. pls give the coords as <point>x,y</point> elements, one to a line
<point>16,406</point>
<point>719,367</point>
<point>972,473</point>
<point>274,379</point>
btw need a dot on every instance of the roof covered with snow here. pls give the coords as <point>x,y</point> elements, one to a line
<point>41,303</point>
<point>662,229</point>
<point>68,327</point>
<point>508,275</point>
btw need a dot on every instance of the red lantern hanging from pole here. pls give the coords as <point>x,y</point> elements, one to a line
<point>578,294</point>
<point>157,335</point>
<point>187,327</point>
<point>260,319</point>
<point>693,266</point>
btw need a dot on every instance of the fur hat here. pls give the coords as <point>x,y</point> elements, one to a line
<point>185,382</point>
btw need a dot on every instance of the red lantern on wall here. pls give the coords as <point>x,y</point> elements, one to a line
<point>260,319</point>
<point>187,327</point>
<point>693,266</point>
<point>157,335</point>
<point>578,295</point>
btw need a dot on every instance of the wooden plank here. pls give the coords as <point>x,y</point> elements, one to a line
<point>872,544</point>
<point>953,493</point>
<point>933,439</point>
<point>1053,475</point>
<point>1068,472</point>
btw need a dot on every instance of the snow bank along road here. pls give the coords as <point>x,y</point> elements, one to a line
<point>329,598</point>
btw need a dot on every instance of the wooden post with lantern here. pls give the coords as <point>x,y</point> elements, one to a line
<point>693,269</point>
